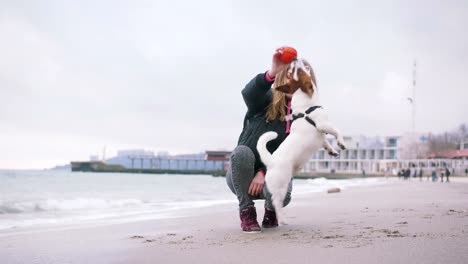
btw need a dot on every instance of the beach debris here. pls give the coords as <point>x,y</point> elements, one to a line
<point>402,223</point>
<point>170,234</point>
<point>457,212</point>
<point>391,233</point>
<point>334,190</point>
<point>334,236</point>
<point>428,216</point>
<point>136,237</point>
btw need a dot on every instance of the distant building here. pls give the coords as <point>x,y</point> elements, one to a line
<point>449,154</point>
<point>464,144</point>
<point>218,155</point>
<point>142,159</point>
<point>370,154</point>
<point>134,152</point>
<point>222,156</point>
<point>363,154</point>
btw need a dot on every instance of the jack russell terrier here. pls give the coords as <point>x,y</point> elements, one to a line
<point>307,134</point>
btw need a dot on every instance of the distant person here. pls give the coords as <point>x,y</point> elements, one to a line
<point>466,171</point>
<point>266,111</point>
<point>434,174</point>
<point>420,174</point>
<point>447,174</point>
<point>407,173</point>
<point>442,173</point>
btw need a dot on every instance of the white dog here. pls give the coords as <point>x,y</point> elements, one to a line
<point>307,134</point>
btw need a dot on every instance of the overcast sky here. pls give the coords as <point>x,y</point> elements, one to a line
<point>76,76</point>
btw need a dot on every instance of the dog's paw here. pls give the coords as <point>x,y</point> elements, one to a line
<point>342,146</point>
<point>332,153</point>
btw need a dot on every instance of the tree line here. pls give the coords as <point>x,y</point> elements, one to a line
<point>448,140</point>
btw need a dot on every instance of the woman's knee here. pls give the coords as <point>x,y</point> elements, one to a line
<point>242,160</point>
<point>241,154</point>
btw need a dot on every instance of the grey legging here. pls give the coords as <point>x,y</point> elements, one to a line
<point>240,175</point>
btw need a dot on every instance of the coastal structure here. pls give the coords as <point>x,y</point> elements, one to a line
<point>364,155</point>
<point>140,160</point>
<point>380,155</point>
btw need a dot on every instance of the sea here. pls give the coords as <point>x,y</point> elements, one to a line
<point>48,198</point>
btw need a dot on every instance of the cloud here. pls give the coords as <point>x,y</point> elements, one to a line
<point>166,76</point>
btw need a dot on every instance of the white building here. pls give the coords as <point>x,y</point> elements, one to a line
<point>367,154</point>
<point>134,152</point>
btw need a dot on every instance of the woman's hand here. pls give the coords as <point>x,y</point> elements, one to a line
<point>256,186</point>
<point>276,64</point>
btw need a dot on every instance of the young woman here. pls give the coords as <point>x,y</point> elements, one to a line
<point>266,111</point>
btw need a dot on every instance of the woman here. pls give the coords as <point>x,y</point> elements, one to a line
<point>266,111</point>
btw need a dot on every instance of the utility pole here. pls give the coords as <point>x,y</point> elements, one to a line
<point>413,112</point>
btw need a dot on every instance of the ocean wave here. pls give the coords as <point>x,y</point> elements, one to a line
<point>93,204</point>
<point>51,205</point>
<point>323,184</point>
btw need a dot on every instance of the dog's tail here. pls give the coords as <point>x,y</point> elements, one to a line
<point>265,155</point>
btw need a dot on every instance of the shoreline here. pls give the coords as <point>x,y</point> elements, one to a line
<point>49,218</point>
<point>399,222</point>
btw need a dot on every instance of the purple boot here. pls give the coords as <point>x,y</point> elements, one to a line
<point>248,217</point>
<point>269,219</point>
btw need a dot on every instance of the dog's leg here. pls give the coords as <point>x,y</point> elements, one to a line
<point>278,201</point>
<point>331,151</point>
<point>328,128</point>
<point>277,182</point>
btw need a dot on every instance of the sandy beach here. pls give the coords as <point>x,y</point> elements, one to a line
<point>396,222</point>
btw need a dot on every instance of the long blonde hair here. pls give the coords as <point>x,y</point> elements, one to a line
<point>277,107</point>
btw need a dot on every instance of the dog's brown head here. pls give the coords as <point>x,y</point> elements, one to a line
<point>299,76</point>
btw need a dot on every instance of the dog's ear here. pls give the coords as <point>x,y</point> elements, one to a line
<point>308,89</point>
<point>284,88</point>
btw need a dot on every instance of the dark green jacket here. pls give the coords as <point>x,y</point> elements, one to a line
<point>257,95</point>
